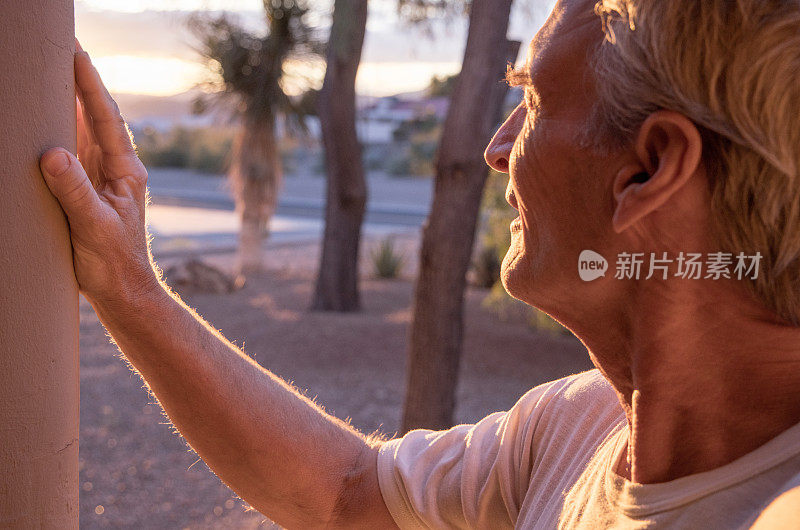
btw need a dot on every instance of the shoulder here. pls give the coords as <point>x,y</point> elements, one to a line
<point>564,420</point>
<point>571,414</point>
<point>554,429</point>
<point>583,394</point>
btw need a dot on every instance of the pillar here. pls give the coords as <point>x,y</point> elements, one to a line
<point>39,385</point>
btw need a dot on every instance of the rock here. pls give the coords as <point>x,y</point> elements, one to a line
<point>198,276</point>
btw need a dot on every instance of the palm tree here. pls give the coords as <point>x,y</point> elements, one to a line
<point>251,70</point>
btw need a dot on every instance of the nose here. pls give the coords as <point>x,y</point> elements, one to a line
<point>498,153</point>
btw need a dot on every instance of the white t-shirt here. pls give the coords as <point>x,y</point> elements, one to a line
<point>549,463</point>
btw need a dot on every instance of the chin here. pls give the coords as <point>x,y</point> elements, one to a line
<point>519,280</point>
<point>530,276</point>
<point>516,275</point>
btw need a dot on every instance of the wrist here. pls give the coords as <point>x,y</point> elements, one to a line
<point>131,290</point>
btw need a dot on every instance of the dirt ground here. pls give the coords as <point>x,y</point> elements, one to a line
<point>136,473</point>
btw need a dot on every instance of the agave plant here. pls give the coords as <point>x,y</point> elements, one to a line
<point>388,262</point>
<point>250,74</point>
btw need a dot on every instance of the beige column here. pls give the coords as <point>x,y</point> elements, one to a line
<point>39,386</point>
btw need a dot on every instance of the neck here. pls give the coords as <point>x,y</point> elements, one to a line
<point>705,375</point>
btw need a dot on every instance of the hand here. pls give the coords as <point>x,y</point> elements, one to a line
<point>103,193</point>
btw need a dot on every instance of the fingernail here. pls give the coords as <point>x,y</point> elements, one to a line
<point>55,163</point>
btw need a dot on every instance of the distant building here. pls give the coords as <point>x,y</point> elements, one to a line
<point>380,118</point>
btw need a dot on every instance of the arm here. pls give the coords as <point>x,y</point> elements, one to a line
<point>274,447</point>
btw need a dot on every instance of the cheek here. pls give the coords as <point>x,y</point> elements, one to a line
<point>549,176</point>
<point>529,179</point>
<point>549,185</point>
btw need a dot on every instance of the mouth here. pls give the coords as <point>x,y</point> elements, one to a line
<point>516,225</point>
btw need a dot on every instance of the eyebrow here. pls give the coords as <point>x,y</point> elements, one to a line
<point>520,76</point>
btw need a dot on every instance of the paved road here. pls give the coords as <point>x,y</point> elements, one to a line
<point>193,211</point>
<point>398,201</point>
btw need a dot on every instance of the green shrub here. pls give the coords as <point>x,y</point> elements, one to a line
<point>422,156</point>
<point>301,156</point>
<point>208,149</point>
<point>398,163</point>
<point>203,149</point>
<point>486,267</point>
<point>386,260</point>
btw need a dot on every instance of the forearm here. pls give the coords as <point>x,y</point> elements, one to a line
<point>274,447</point>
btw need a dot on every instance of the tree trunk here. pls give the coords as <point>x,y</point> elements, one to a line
<point>255,176</point>
<point>448,236</point>
<point>337,280</point>
<point>39,385</point>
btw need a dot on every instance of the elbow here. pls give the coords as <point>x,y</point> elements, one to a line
<point>347,495</point>
<point>359,502</point>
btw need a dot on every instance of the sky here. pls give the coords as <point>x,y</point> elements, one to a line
<point>143,46</point>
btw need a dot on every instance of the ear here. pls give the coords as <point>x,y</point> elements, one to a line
<point>668,148</point>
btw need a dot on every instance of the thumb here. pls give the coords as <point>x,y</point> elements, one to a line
<point>69,183</point>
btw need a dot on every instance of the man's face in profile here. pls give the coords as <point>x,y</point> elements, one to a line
<point>558,185</point>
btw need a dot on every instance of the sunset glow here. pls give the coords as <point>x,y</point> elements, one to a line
<point>144,47</point>
<point>154,76</point>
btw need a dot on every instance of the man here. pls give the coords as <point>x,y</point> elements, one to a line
<point>662,130</point>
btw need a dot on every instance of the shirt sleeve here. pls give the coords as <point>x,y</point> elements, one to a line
<point>470,476</point>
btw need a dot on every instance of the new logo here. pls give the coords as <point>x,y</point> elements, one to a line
<point>591,265</point>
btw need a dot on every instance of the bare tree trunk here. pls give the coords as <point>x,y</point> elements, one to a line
<point>255,176</point>
<point>337,280</point>
<point>448,237</point>
<point>39,384</point>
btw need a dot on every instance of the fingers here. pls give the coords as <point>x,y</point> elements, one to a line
<point>69,184</point>
<point>106,123</point>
